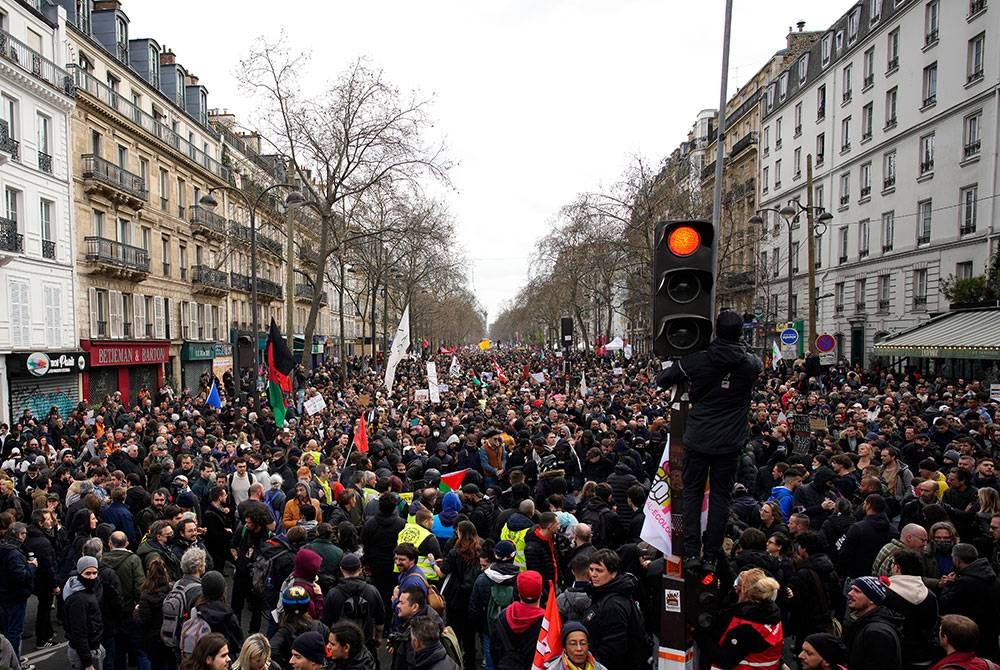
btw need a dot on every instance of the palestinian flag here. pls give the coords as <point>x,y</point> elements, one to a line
<point>475,380</point>
<point>279,366</point>
<point>452,481</point>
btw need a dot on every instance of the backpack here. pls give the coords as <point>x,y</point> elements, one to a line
<point>261,570</point>
<point>501,595</point>
<point>176,606</point>
<point>358,609</point>
<point>640,655</point>
<point>193,630</point>
<point>451,647</point>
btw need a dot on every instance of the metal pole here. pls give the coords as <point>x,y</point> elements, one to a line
<point>290,287</point>
<point>254,314</point>
<point>791,248</point>
<point>720,146</point>
<point>811,245</point>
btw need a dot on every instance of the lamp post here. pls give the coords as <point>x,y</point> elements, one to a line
<point>293,198</point>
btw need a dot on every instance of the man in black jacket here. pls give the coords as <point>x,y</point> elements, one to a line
<point>41,542</point>
<point>612,608</point>
<point>864,539</point>
<point>82,614</point>
<point>720,384</point>
<point>17,575</point>
<point>873,638</point>
<point>974,591</point>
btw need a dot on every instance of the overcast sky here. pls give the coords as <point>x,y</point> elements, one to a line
<point>538,99</point>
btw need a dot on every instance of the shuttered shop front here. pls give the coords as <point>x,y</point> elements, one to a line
<point>42,380</point>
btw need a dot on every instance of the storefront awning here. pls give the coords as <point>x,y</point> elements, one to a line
<point>973,334</point>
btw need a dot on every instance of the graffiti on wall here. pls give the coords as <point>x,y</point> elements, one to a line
<point>41,398</point>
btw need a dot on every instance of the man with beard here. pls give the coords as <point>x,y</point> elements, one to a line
<point>154,512</point>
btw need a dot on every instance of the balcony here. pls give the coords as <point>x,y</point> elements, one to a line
<point>975,76</point>
<point>890,123</point>
<point>892,65</point>
<point>976,6</point>
<point>11,241</point>
<point>44,162</point>
<point>304,293</point>
<point>926,167</point>
<point>847,96</point>
<point>48,249</point>
<point>239,232</point>
<point>845,199</point>
<point>100,92</point>
<point>883,305</point>
<point>116,259</point>
<point>821,113</point>
<point>206,223</point>
<point>931,38</point>
<point>209,281</point>
<point>889,182</point>
<point>119,186</point>
<point>708,170</point>
<point>866,192</point>
<point>919,301</point>
<point>30,61</point>
<point>744,142</point>
<point>819,159</point>
<point>239,282</point>
<point>929,101</point>
<point>8,144</point>
<point>842,260</point>
<point>268,290</point>
<point>838,309</point>
<point>869,80</point>
<point>269,245</point>
<point>798,130</point>
<point>967,229</point>
<point>860,307</point>
<point>886,248</point>
<point>923,239</point>
<point>971,149</point>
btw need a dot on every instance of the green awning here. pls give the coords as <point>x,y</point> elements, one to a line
<point>972,334</point>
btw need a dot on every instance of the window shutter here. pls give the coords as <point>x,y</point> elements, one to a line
<point>116,304</point>
<point>139,318</point>
<point>53,316</point>
<point>196,310</point>
<point>159,322</point>
<point>209,323</point>
<point>20,324</point>
<point>93,312</point>
<point>185,317</point>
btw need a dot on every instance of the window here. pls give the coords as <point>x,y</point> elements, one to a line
<point>19,312</point>
<point>932,17</point>
<point>977,49</point>
<point>884,288</point>
<point>165,255</point>
<point>777,174</point>
<point>838,41</point>
<point>777,133</point>
<point>123,157</point>
<point>154,66</point>
<point>164,194</point>
<point>181,197</point>
<point>845,134</point>
<point>820,148</point>
<point>889,170</point>
<point>920,287</point>
<point>866,180</point>
<point>963,270</point>
<point>763,260</point>
<point>12,199</point>
<point>848,69</point>
<point>826,50</point>
<point>924,211</point>
<point>183,261</point>
<point>891,97</point>
<point>136,107</point>
<point>767,139</point>
<point>868,68</point>
<point>144,171</point>
<point>783,86</point>
<point>796,252</point>
<point>867,121</point>
<point>892,51</point>
<point>821,102</point>
<point>45,220</point>
<point>864,237</point>
<point>765,177</point>
<point>972,142</point>
<point>845,188</point>
<point>818,251</point>
<point>11,116</point>
<point>874,11</point>
<point>44,134</point>
<point>124,231</point>
<point>803,67</point>
<point>860,289</point>
<point>930,85</point>
<point>97,223</point>
<point>797,116</point>
<point>95,143</point>
<point>853,22</point>
<point>797,163</point>
<point>145,237</point>
<point>52,295</point>
<point>819,197</point>
<point>888,229</point>
<point>774,254</point>
<point>970,207</point>
<point>927,154</point>
<point>838,297</point>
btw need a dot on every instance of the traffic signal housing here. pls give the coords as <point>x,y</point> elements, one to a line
<point>683,278</point>
<point>701,602</point>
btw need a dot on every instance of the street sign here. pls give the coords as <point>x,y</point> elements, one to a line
<point>789,336</point>
<point>825,343</point>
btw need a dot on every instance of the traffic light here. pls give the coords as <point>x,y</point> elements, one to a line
<point>683,276</point>
<point>701,601</point>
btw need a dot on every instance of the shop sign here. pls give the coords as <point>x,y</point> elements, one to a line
<point>198,351</point>
<point>223,349</point>
<point>46,364</point>
<point>102,354</point>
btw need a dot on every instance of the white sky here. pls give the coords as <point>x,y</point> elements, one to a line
<point>538,99</point>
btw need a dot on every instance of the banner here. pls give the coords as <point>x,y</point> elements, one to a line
<point>455,370</point>
<point>432,382</point>
<point>400,343</point>
<point>775,355</point>
<point>539,377</point>
<point>658,527</point>
<point>549,643</point>
<point>583,385</point>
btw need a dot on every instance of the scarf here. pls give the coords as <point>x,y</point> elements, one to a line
<point>588,665</point>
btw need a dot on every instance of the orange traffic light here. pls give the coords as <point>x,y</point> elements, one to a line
<point>683,241</point>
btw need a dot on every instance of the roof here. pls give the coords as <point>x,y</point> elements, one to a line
<point>971,334</point>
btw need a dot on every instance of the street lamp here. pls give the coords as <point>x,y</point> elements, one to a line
<point>293,198</point>
<point>788,214</point>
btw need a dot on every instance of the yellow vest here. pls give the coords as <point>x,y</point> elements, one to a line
<point>415,534</point>
<point>517,537</point>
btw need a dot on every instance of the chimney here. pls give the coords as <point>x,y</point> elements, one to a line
<point>801,25</point>
<point>107,5</point>
<point>192,80</point>
<point>167,57</point>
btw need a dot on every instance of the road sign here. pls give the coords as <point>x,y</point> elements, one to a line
<point>825,343</point>
<point>789,336</point>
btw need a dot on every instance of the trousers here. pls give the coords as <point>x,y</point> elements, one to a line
<point>719,472</point>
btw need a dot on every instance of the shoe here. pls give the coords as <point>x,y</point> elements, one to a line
<point>692,564</point>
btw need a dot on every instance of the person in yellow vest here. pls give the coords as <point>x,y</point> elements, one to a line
<point>418,533</point>
<point>516,529</point>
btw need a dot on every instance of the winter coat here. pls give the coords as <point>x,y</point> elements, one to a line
<point>150,548</point>
<point>861,545</point>
<point>436,658</point>
<point>444,523</point>
<point>220,618</point>
<point>43,547</point>
<point>513,643</point>
<point>119,516</point>
<point>603,521</point>
<point>607,621</point>
<point>363,661</point>
<point>331,555</point>
<point>909,597</point>
<point>16,575</point>
<point>620,481</point>
<point>378,536</point>
<point>149,617</point>
<point>975,593</point>
<point>497,573</point>
<point>281,641</point>
<point>82,619</point>
<point>333,603</point>
<point>540,555</point>
<point>721,379</point>
<point>814,583</point>
<point>574,602</point>
<point>742,639</point>
<point>874,642</point>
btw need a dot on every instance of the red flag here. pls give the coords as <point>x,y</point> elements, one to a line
<point>550,636</point>
<point>452,481</point>
<point>500,374</point>
<point>361,436</point>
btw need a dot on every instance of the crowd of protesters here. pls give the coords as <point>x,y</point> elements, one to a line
<point>160,532</point>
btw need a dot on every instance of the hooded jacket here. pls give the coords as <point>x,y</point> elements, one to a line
<point>378,536</point>
<point>874,642</point>
<point>540,555</point>
<point>810,497</point>
<point>363,661</point>
<point>17,578</point>
<point>721,379</point>
<point>513,643</point>
<point>128,566</point>
<point>307,565</point>
<point>807,615</point>
<point>220,618</point>
<point>444,523</point>
<point>910,597</point>
<point>433,658</point>
<point>82,618</point>
<point>497,573</point>
<point>607,621</point>
<point>976,594</point>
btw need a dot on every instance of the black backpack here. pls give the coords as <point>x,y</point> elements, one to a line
<point>357,607</point>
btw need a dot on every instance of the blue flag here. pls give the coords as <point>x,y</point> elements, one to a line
<point>213,399</point>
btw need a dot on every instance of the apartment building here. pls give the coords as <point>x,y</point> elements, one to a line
<point>896,104</point>
<point>40,361</point>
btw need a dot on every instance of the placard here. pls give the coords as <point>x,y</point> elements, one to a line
<point>618,371</point>
<point>315,404</point>
<point>432,382</point>
<point>801,435</point>
<point>364,400</point>
<point>538,377</point>
<point>994,391</point>
<point>421,395</point>
<point>818,423</point>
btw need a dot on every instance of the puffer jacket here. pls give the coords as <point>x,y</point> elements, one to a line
<point>620,480</point>
<point>910,597</point>
<point>607,621</point>
<point>976,594</point>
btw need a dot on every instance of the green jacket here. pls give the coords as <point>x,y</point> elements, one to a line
<point>128,566</point>
<point>331,555</point>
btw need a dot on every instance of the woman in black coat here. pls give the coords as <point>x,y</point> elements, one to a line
<point>148,615</point>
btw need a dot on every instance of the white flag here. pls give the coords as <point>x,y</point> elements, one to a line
<point>400,343</point>
<point>432,382</point>
<point>658,526</point>
<point>775,355</point>
<point>583,384</point>
<point>455,370</point>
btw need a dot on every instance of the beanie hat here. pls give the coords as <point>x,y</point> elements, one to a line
<point>213,585</point>
<point>350,562</point>
<point>572,626</point>
<point>729,326</point>
<point>295,600</point>
<point>85,562</point>
<point>529,585</point>
<point>311,646</point>
<point>951,455</point>
<point>875,588</point>
<point>187,500</point>
<point>830,648</point>
<point>504,550</point>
